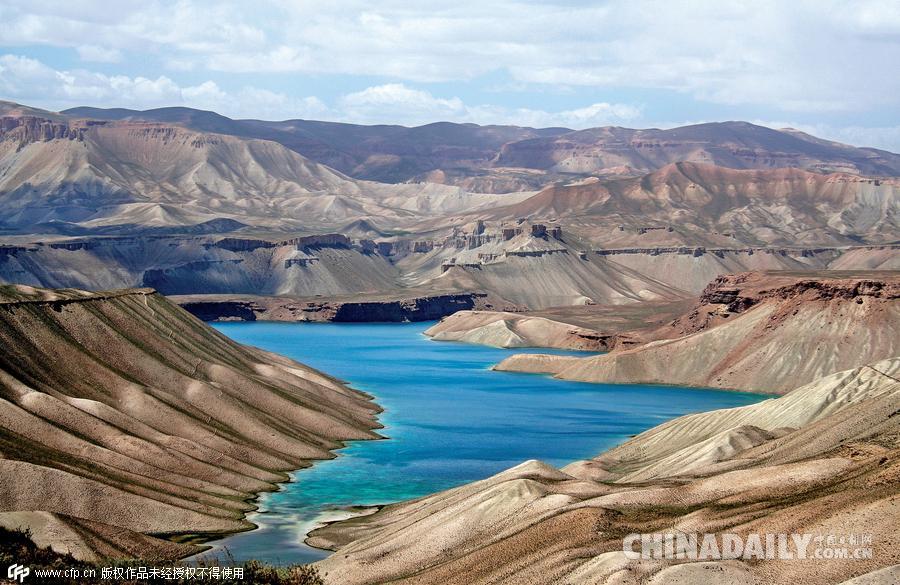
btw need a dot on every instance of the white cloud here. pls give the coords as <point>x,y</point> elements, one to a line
<point>27,79</point>
<point>34,83</point>
<point>397,103</point>
<point>804,55</point>
<point>98,54</point>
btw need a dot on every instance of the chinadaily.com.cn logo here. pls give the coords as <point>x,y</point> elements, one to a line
<point>17,572</point>
<point>703,547</point>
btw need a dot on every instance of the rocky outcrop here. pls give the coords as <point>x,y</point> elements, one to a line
<point>242,244</point>
<point>27,129</point>
<point>732,294</point>
<point>396,310</point>
<point>126,420</point>
<point>318,241</point>
<point>764,332</point>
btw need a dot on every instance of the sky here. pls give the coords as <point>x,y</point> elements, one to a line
<point>829,67</point>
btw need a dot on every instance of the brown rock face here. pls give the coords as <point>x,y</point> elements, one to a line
<point>27,129</point>
<point>732,294</point>
<point>758,331</point>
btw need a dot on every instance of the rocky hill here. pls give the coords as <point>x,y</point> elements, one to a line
<point>737,145</point>
<point>126,421</point>
<point>764,332</point>
<point>88,197</point>
<point>385,153</point>
<point>506,158</point>
<point>821,460</point>
<point>83,176</point>
<point>704,205</point>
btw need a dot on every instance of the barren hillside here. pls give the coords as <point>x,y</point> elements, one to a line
<point>821,460</point>
<point>765,332</point>
<point>69,175</point>
<point>705,205</point>
<point>497,159</point>
<point>125,420</point>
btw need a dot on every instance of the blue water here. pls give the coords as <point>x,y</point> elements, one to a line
<point>449,420</point>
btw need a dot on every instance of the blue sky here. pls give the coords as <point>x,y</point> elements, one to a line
<point>828,67</point>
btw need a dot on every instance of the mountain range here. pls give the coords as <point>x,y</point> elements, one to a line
<point>480,157</point>
<point>606,215</point>
<point>721,183</point>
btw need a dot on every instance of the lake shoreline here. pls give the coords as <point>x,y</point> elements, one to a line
<point>434,396</point>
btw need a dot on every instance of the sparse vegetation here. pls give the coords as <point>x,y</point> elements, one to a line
<point>17,547</point>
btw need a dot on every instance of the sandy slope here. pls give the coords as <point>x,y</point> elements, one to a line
<point>765,332</point>
<point>502,329</point>
<point>122,412</point>
<point>835,471</point>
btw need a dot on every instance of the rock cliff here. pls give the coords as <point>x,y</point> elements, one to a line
<point>764,332</point>
<point>338,310</point>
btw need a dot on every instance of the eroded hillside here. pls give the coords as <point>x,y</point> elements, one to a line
<point>765,332</point>
<point>821,460</point>
<point>126,420</point>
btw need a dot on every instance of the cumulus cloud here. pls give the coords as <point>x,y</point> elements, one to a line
<point>31,81</point>
<point>26,79</point>
<point>395,102</point>
<point>822,55</point>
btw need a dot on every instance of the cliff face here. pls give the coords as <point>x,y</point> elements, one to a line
<point>124,414</point>
<point>733,294</point>
<point>27,129</point>
<point>763,332</point>
<point>394,310</point>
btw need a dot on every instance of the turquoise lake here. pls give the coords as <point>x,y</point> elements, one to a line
<point>449,419</point>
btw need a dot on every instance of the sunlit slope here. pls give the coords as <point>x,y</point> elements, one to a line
<point>122,410</point>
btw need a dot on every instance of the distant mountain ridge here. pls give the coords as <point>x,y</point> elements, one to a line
<point>384,153</point>
<point>481,157</point>
<point>75,174</point>
<point>688,202</point>
<point>155,170</point>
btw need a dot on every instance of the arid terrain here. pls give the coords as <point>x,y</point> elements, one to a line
<point>822,459</point>
<point>764,332</point>
<point>723,255</point>
<point>131,429</point>
<point>192,203</point>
